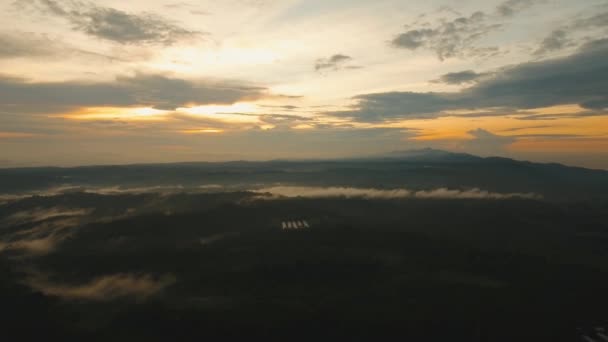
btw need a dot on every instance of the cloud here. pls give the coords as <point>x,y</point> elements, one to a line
<point>467,76</point>
<point>458,37</point>
<point>448,39</point>
<point>593,21</point>
<point>471,194</point>
<point>178,5</point>
<point>42,239</point>
<point>318,192</point>
<point>370,193</point>
<point>487,143</point>
<point>38,215</point>
<point>22,44</point>
<point>104,288</point>
<point>112,24</point>
<point>576,79</point>
<point>335,62</point>
<point>141,90</point>
<point>42,214</point>
<point>511,7</point>
<point>560,116</point>
<point>193,9</point>
<point>568,35</point>
<point>19,44</point>
<point>51,227</point>
<point>557,40</point>
<point>286,120</point>
<point>33,247</point>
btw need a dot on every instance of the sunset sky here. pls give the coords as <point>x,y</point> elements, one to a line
<point>141,81</point>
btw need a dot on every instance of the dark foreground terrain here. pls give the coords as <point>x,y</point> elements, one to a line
<point>369,265</point>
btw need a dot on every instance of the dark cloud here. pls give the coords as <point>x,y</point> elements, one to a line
<point>335,62</point>
<point>557,40</point>
<point>596,20</point>
<point>467,76</point>
<point>112,24</point>
<point>414,39</point>
<point>580,79</point>
<point>449,38</point>
<point>484,52</point>
<point>512,7</point>
<point>549,136</point>
<point>457,37</point>
<point>566,35</point>
<point>153,90</point>
<point>515,129</point>
<point>585,114</point>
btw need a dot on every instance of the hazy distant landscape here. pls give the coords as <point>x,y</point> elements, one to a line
<point>416,171</point>
<point>203,250</point>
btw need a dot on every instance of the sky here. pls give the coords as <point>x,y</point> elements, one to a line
<point>145,81</point>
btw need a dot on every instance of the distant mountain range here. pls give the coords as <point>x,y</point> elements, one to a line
<point>416,169</point>
<point>430,154</point>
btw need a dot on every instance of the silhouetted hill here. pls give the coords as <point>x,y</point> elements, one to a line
<point>420,169</point>
<point>433,155</point>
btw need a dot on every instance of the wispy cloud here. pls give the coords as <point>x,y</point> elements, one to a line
<point>42,214</point>
<point>450,38</point>
<point>511,7</point>
<point>45,229</point>
<point>335,63</point>
<point>33,246</point>
<point>458,37</point>
<point>103,288</point>
<point>592,26</point>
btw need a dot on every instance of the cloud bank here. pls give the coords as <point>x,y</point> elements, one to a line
<point>461,77</point>
<point>576,79</point>
<point>142,90</point>
<point>370,193</point>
